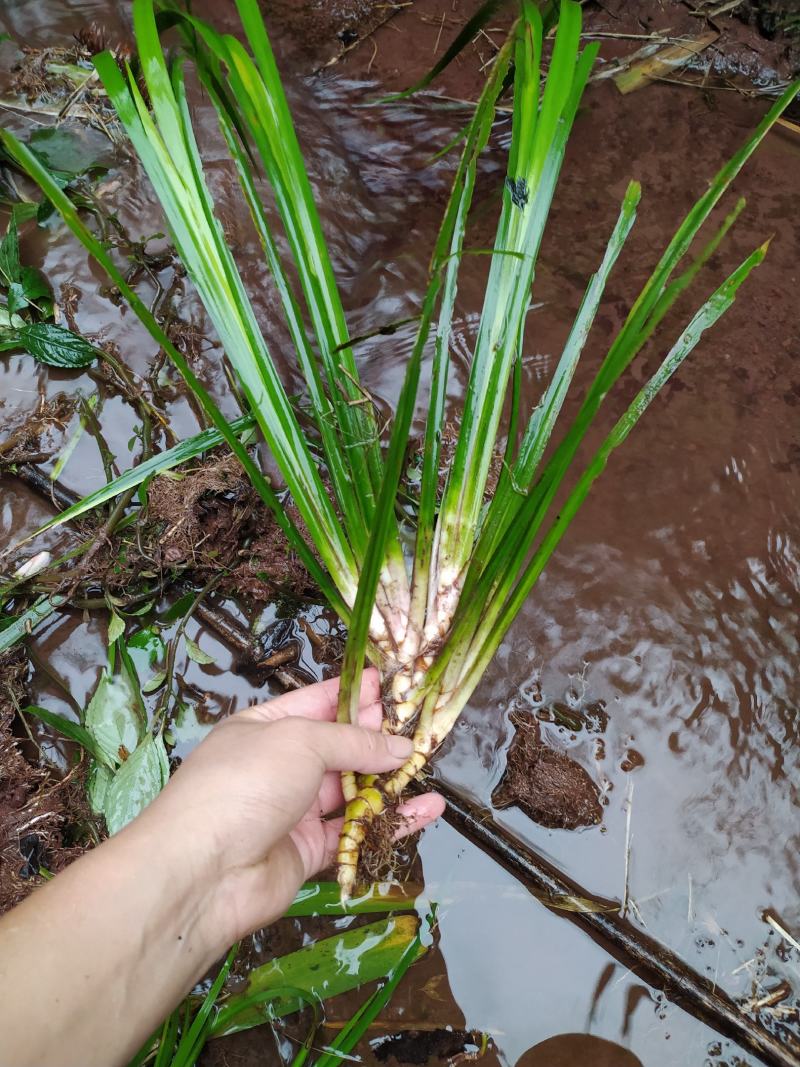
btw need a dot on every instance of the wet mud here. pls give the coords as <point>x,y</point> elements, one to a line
<point>544,783</point>
<point>669,616</point>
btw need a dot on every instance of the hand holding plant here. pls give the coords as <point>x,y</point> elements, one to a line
<point>219,853</point>
<point>427,579</point>
<point>251,804</point>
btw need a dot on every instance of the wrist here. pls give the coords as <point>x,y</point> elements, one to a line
<point>183,878</point>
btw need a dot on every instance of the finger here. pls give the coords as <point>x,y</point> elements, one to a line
<point>417,813</point>
<point>330,793</point>
<point>317,701</point>
<point>342,747</point>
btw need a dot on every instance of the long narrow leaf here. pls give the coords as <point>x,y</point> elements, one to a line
<point>497,618</point>
<point>201,244</point>
<point>447,256</point>
<point>192,1041</point>
<point>24,624</point>
<point>350,1034</point>
<point>31,165</point>
<point>273,131</point>
<point>534,164</point>
<point>73,730</point>
<point>325,969</point>
<point>517,477</point>
<point>173,457</point>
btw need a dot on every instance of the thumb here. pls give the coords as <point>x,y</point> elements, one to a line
<point>342,747</point>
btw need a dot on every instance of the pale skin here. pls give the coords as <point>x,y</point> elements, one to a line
<point>92,962</point>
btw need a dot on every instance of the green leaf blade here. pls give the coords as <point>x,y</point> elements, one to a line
<point>136,784</point>
<point>56,346</point>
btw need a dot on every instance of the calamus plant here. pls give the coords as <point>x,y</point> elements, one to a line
<point>428,583</point>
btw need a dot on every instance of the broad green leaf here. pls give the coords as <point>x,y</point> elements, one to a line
<point>24,211</point>
<point>137,782</point>
<point>56,346</point>
<point>35,285</point>
<point>10,267</point>
<point>9,321</point>
<point>100,778</point>
<point>322,970</point>
<point>69,728</point>
<point>325,898</point>
<point>111,717</point>
<point>195,652</point>
<point>16,298</point>
<point>155,681</point>
<point>116,627</point>
<point>149,641</point>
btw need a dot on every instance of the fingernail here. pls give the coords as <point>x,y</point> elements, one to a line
<point>402,747</point>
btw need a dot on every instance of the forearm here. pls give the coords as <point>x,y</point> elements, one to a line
<point>93,962</point>
<point>124,927</point>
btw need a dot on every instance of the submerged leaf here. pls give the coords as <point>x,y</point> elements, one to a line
<point>71,151</point>
<point>325,898</point>
<point>319,971</point>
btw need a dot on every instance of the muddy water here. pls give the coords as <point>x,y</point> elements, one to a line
<point>673,599</point>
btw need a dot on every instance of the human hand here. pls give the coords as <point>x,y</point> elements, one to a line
<point>248,808</point>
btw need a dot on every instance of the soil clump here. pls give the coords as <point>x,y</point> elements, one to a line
<point>212,521</point>
<point>547,785</point>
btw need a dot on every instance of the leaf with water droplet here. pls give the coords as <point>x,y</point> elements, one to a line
<point>138,782</point>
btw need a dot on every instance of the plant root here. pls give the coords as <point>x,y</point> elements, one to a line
<point>375,798</point>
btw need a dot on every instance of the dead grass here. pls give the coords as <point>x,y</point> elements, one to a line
<point>44,818</point>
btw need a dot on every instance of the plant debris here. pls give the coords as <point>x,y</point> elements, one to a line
<point>43,818</point>
<point>37,434</point>
<point>210,520</point>
<point>663,63</point>
<point>428,1046</point>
